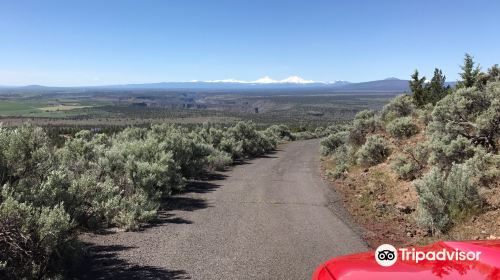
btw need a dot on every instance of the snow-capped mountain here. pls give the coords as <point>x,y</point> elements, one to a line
<point>297,80</point>
<point>268,80</point>
<point>265,82</point>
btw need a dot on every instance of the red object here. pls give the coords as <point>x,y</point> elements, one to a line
<point>363,266</point>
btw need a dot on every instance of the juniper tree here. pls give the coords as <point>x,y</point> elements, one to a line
<point>470,72</point>
<point>436,89</point>
<point>418,89</point>
<point>492,75</point>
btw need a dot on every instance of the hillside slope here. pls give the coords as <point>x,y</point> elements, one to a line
<point>411,175</point>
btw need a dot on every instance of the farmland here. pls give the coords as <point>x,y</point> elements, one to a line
<point>99,108</point>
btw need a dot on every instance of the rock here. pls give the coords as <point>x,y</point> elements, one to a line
<point>405,209</point>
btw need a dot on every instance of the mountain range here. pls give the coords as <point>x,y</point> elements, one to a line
<point>293,82</point>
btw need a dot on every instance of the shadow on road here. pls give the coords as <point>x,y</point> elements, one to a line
<point>201,187</point>
<point>249,161</point>
<point>183,204</point>
<point>105,264</point>
<point>162,218</point>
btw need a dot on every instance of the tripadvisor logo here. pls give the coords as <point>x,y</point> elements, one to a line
<point>386,255</point>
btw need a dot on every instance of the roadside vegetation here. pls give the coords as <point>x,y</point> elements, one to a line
<point>56,183</point>
<point>95,181</point>
<point>427,165</point>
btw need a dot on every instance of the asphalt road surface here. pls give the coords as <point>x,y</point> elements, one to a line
<point>267,218</point>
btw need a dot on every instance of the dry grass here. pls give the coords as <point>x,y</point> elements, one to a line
<point>62,108</point>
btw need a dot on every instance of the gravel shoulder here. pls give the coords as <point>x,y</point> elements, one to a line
<point>268,218</point>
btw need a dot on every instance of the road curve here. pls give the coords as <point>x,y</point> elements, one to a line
<point>265,219</point>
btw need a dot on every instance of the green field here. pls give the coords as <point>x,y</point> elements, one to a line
<point>44,108</point>
<point>14,106</point>
<point>17,108</point>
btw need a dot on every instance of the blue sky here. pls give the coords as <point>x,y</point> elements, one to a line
<point>108,42</point>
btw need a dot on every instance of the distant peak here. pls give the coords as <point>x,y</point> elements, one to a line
<point>340,82</point>
<point>296,80</point>
<point>268,80</point>
<point>392,79</point>
<point>265,80</point>
<point>227,81</point>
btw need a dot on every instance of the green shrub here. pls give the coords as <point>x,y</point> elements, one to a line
<point>404,127</point>
<point>445,151</point>
<point>244,140</point>
<point>364,122</point>
<point>190,155</point>
<point>91,196</point>
<point>469,114</point>
<point>93,203</point>
<point>409,165</point>
<point>432,202</point>
<point>332,142</point>
<point>340,170</point>
<point>281,132</point>
<point>25,160</point>
<point>485,167</point>
<point>304,135</point>
<point>210,134</point>
<point>218,160</point>
<point>345,154</point>
<point>357,137</point>
<point>445,200</point>
<point>406,168</point>
<point>425,113</point>
<point>32,238</point>
<point>136,209</point>
<point>374,151</point>
<point>400,106</point>
<point>96,180</point>
<point>321,132</point>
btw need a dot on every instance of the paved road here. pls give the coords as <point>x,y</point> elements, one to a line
<point>265,219</point>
